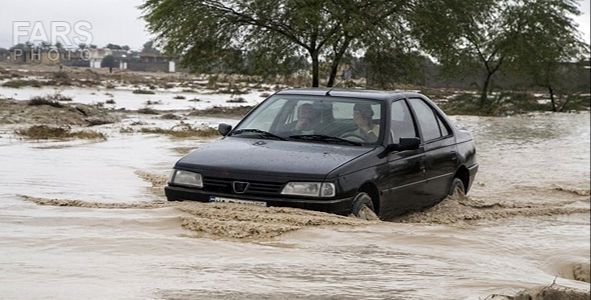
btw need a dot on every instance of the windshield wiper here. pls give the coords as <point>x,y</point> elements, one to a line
<point>261,133</point>
<point>323,138</point>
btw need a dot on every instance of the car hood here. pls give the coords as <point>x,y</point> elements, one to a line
<point>233,156</point>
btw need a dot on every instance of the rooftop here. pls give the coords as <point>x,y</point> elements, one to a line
<point>351,93</point>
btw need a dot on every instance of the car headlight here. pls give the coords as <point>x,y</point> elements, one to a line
<point>310,189</point>
<point>186,178</point>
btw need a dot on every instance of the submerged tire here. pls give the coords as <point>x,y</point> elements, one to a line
<point>363,207</point>
<point>457,189</point>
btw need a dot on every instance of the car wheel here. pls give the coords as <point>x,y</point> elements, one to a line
<point>457,189</point>
<point>363,207</point>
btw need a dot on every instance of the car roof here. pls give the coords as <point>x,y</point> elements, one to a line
<point>351,93</point>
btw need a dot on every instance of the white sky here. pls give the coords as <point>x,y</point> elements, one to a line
<point>584,20</point>
<point>113,21</point>
<point>118,21</point>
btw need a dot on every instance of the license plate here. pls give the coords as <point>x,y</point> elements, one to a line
<point>237,201</point>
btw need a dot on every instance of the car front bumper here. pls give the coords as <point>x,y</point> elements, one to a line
<point>340,206</point>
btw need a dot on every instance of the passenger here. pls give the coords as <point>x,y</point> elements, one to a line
<point>363,118</point>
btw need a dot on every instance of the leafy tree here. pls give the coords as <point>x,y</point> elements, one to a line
<point>148,47</point>
<point>109,61</point>
<point>113,46</point>
<point>387,66</point>
<point>208,31</point>
<point>45,45</point>
<point>486,35</point>
<point>465,35</point>
<point>549,40</point>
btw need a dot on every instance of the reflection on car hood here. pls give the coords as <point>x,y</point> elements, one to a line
<point>269,158</point>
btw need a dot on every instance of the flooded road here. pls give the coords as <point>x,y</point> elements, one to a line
<point>123,97</point>
<point>532,193</point>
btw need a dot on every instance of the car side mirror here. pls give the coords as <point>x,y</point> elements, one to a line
<point>224,129</point>
<point>405,144</point>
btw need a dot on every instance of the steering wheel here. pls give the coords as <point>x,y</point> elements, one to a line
<point>352,137</point>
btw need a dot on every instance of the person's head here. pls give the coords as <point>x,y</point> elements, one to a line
<point>305,111</point>
<point>362,114</point>
<point>307,114</point>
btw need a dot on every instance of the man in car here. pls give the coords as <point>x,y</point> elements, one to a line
<point>366,130</point>
<point>308,119</point>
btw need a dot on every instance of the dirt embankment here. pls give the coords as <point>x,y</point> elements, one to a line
<point>551,292</point>
<point>579,270</point>
<point>23,112</point>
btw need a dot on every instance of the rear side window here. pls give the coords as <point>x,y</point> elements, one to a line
<point>426,118</point>
<point>402,125</point>
<point>442,127</point>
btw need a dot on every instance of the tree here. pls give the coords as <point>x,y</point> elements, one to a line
<point>109,61</point>
<point>387,66</point>
<point>549,41</point>
<point>466,35</point>
<point>148,47</point>
<point>205,31</point>
<point>45,45</point>
<point>487,35</point>
<point>268,61</point>
<point>113,46</point>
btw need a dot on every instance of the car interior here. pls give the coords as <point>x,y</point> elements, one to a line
<point>327,122</point>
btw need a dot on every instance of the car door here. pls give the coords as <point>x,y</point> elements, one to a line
<point>406,169</point>
<point>439,145</point>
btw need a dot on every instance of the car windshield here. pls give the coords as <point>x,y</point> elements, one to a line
<point>320,119</point>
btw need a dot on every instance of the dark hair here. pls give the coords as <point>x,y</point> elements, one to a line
<point>364,109</point>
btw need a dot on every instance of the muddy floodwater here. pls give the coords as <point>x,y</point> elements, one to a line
<point>86,220</point>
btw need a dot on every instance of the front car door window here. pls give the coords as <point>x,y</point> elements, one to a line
<point>402,125</point>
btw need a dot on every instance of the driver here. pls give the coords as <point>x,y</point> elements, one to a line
<point>363,118</point>
<point>308,119</point>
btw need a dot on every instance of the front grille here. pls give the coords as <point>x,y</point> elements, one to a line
<point>223,185</point>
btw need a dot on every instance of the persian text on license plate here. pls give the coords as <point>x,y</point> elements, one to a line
<point>237,201</point>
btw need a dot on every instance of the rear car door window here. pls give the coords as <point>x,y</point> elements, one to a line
<point>426,119</point>
<point>401,125</point>
<point>442,127</point>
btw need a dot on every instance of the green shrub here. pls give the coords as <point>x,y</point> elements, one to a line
<point>36,101</point>
<point>43,132</point>
<point>143,92</point>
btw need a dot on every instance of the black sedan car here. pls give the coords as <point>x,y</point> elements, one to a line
<point>340,151</point>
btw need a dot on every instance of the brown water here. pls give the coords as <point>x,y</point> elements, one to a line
<point>87,220</point>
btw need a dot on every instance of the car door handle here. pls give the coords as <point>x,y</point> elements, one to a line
<point>454,156</point>
<point>423,169</point>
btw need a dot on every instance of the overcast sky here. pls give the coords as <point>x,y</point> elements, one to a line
<point>113,21</point>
